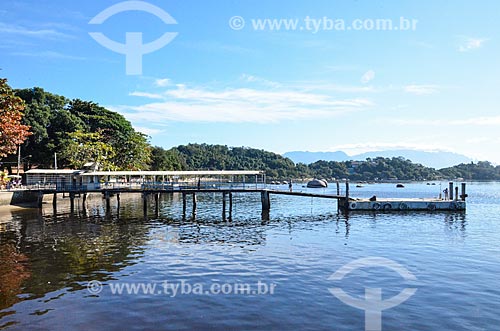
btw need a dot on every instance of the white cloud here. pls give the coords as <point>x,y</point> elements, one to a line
<point>472,121</point>
<point>470,44</point>
<point>254,79</point>
<point>480,121</point>
<point>148,131</point>
<point>32,32</point>
<point>49,55</point>
<point>368,76</point>
<point>356,148</point>
<point>146,95</point>
<point>421,89</point>
<point>237,105</point>
<point>162,82</point>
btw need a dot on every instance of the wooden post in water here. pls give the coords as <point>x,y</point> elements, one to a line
<point>108,203</point>
<point>157,205</point>
<point>338,188</point>
<point>456,193</point>
<point>72,202</point>
<point>145,204</point>
<point>54,202</point>
<point>183,205</point>
<point>464,195</point>
<point>347,194</point>
<point>195,202</point>
<point>224,205</point>
<point>266,202</point>
<point>118,205</point>
<point>230,206</point>
<point>450,189</point>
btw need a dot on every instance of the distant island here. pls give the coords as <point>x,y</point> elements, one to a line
<point>79,133</point>
<point>436,160</point>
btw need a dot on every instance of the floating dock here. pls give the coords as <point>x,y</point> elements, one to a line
<point>403,204</point>
<point>451,202</point>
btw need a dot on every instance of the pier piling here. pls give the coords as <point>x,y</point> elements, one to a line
<point>230,206</point>
<point>450,189</point>
<point>145,203</point>
<point>183,205</point>
<point>195,203</point>
<point>464,195</point>
<point>266,202</point>
<point>224,205</point>
<point>347,194</point>
<point>72,202</point>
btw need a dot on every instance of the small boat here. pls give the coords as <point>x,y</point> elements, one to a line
<point>317,183</point>
<point>399,185</point>
<point>359,185</point>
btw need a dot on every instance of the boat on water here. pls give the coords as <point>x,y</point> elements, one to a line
<point>399,185</point>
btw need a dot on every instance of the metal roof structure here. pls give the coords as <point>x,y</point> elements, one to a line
<point>53,171</point>
<point>147,173</point>
<point>176,173</point>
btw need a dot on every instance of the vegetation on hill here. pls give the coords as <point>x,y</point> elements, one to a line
<point>482,170</point>
<point>79,132</point>
<point>82,132</point>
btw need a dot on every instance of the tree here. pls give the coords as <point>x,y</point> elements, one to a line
<point>88,147</point>
<point>49,120</point>
<point>134,153</point>
<point>12,131</point>
<point>162,159</point>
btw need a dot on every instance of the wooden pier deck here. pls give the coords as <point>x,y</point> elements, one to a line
<point>191,183</point>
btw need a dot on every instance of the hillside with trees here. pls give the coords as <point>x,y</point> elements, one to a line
<point>79,132</point>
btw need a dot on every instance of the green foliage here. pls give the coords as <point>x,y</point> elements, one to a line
<point>219,157</point>
<point>55,118</point>
<point>88,147</point>
<point>162,159</point>
<point>482,170</point>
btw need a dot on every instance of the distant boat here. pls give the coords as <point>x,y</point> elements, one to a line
<point>317,183</point>
<point>359,185</point>
<point>400,185</point>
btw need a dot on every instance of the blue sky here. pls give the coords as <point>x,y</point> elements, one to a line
<point>431,88</point>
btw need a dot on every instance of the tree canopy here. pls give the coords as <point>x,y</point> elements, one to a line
<point>74,127</point>
<point>12,131</point>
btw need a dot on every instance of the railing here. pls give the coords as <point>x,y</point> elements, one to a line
<point>145,186</point>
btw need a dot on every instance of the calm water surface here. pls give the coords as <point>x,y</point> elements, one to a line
<point>47,261</point>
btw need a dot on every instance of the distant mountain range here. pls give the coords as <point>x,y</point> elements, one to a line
<point>437,160</point>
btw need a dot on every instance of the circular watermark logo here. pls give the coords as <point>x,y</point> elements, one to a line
<point>94,287</point>
<point>373,304</point>
<point>236,22</point>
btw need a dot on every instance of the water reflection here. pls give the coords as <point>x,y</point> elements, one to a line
<point>46,256</point>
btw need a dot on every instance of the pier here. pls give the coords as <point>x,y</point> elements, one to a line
<point>78,184</point>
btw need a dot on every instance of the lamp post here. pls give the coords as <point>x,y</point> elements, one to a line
<point>19,159</point>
